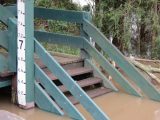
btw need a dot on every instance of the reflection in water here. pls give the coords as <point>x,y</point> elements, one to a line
<point>5,115</point>
<point>117,106</point>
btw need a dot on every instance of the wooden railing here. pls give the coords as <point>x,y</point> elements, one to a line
<point>145,85</point>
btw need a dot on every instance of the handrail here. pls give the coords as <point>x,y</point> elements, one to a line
<point>62,15</point>
<point>124,64</point>
<point>56,14</point>
<point>73,41</point>
<point>116,75</point>
<point>70,84</point>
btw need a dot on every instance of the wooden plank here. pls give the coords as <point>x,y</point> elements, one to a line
<point>71,72</point>
<point>55,14</point>
<point>67,63</point>
<point>12,9</point>
<point>70,84</point>
<point>3,63</point>
<point>107,83</point>
<point>5,83</point>
<point>44,101</point>
<point>4,39</point>
<point>147,87</point>
<point>116,75</point>
<point>54,38</point>
<point>5,14</point>
<point>83,83</point>
<point>12,44</point>
<point>62,15</point>
<point>29,50</point>
<point>59,97</point>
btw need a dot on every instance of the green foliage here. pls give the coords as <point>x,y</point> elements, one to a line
<point>62,4</point>
<point>2,26</point>
<point>116,15</point>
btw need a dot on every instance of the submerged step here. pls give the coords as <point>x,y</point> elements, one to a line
<point>83,83</point>
<point>92,93</point>
<point>71,72</point>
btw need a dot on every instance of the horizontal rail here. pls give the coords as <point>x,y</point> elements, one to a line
<point>70,84</point>
<point>4,39</point>
<point>54,14</point>
<point>5,83</point>
<point>147,87</point>
<point>116,75</point>
<point>5,14</point>
<point>73,41</point>
<point>62,15</point>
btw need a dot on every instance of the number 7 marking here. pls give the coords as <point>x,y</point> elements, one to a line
<point>21,43</point>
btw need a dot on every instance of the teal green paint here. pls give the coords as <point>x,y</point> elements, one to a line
<point>12,44</point>
<point>29,29</point>
<point>44,102</point>
<point>146,86</point>
<point>73,41</point>
<point>4,39</point>
<point>3,63</point>
<point>62,15</point>
<point>5,14</point>
<point>69,83</point>
<point>107,83</point>
<point>12,9</point>
<point>5,83</point>
<point>116,75</point>
<point>59,97</point>
<point>55,14</point>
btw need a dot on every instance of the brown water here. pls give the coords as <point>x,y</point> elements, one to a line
<point>117,106</point>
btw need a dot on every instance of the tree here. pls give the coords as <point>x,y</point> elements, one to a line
<point>133,24</point>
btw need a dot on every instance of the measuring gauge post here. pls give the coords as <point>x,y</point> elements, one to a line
<point>21,56</point>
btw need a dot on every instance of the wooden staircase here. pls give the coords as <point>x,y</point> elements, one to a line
<point>83,75</point>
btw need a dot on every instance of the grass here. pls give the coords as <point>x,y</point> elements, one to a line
<point>61,49</point>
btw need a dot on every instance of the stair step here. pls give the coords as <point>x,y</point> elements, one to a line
<point>67,63</point>
<point>92,93</point>
<point>6,74</point>
<point>83,83</point>
<point>72,72</point>
<point>5,83</point>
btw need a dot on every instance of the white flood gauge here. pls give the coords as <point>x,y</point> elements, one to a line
<point>21,54</point>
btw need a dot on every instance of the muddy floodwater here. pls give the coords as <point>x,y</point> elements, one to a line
<point>117,106</point>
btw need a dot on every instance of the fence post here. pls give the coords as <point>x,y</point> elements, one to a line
<point>84,34</point>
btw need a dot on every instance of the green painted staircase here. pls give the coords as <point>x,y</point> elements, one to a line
<point>59,85</point>
<point>83,75</point>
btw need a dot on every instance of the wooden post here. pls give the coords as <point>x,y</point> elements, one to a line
<point>25,53</point>
<point>84,34</point>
